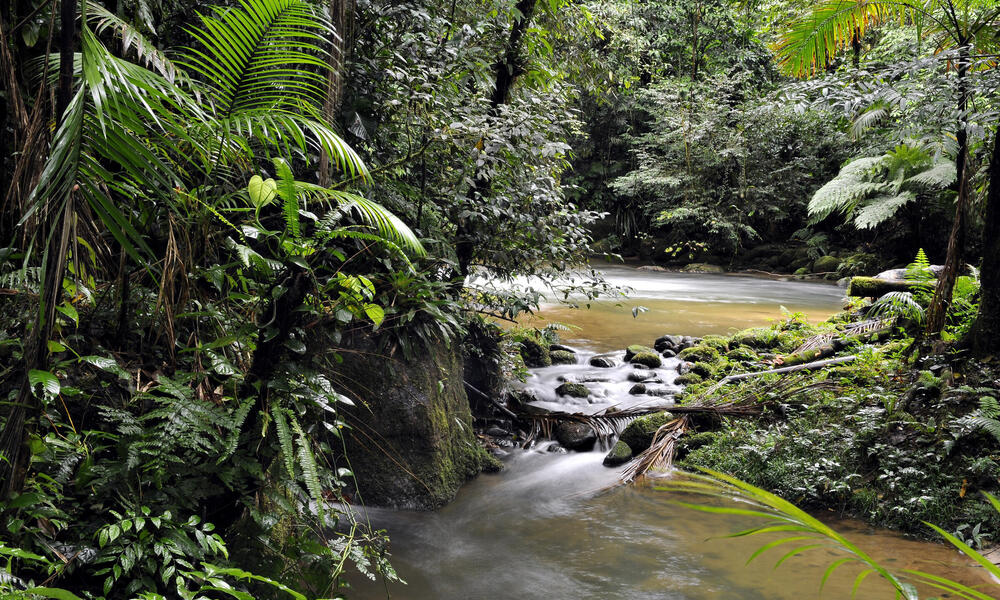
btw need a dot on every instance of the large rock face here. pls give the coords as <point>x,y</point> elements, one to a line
<point>410,441</point>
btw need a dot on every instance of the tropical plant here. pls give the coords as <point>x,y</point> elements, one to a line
<point>869,191</point>
<point>799,532</point>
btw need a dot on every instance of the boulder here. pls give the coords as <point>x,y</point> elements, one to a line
<point>576,436</point>
<point>826,264</point>
<point>602,362</point>
<point>418,411</point>
<point>560,347</point>
<point>703,268</point>
<point>641,375</point>
<point>574,390</point>
<point>667,342</point>
<point>639,434</point>
<point>619,455</point>
<point>654,268</point>
<point>638,389</point>
<point>534,354</point>
<point>647,359</point>
<point>668,353</point>
<point>634,349</point>
<point>562,357</point>
<point>688,379</point>
<point>700,353</point>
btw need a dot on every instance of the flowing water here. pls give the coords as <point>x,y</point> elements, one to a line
<point>556,526</point>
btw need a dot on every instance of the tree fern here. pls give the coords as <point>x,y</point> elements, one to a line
<point>870,190</point>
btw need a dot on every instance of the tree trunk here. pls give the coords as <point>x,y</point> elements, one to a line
<point>342,17</point>
<point>938,309</point>
<point>872,287</point>
<point>986,330</point>
<point>507,70</point>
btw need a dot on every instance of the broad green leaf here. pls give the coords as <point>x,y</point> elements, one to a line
<point>49,382</point>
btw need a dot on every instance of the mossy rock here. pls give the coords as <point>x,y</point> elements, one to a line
<point>760,338</point>
<point>535,354</point>
<point>703,268</point>
<point>705,370</point>
<point>647,359</point>
<point>802,271</point>
<point>742,354</point>
<point>562,357</point>
<point>619,455</point>
<point>634,349</point>
<point>574,390</point>
<point>719,342</point>
<point>689,379</point>
<point>826,264</point>
<point>700,353</point>
<point>639,434</point>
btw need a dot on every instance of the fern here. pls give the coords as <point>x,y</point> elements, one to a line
<point>899,305</point>
<point>919,274</point>
<point>310,470</point>
<point>987,417</point>
<point>285,439</point>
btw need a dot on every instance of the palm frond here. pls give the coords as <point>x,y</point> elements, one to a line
<point>899,305</point>
<point>812,41</point>
<point>133,40</point>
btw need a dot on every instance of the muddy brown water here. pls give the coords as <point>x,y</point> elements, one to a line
<point>558,527</point>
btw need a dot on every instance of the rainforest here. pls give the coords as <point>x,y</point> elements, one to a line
<point>448,299</point>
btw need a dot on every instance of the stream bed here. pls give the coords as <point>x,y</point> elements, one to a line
<point>557,526</point>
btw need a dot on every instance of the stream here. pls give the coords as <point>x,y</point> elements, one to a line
<point>556,526</point>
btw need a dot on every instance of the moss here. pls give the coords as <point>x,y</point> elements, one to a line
<point>648,359</point>
<point>742,354</point>
<point>634,349</point>
<point>826,264</point>
<point>575,390</point>
<point>704,370</point>
<point>639,434</point>
<point>719,342</point>
<point>562,357</point>
<point>535,354</point>
<point>689,379</point>
<point>761,338</point>
<point>620,454</point>
<point>700,353</point>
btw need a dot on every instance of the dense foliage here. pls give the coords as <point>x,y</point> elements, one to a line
<point>193,196</point>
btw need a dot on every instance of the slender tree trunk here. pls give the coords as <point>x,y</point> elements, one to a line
<point>938,309</point>
<point>57,225</point>
<point>695,22</point>
<point>986,330</point>
<point>856,47</point>
<point>506,71</point>
<point>342,17</point>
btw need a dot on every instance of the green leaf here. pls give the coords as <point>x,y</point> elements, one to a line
<point>49,382</point>
<point>375,313</point>
<point>55,347</point>
<point>69,312</point>
<point>55,593</point>
<point>261,191</point>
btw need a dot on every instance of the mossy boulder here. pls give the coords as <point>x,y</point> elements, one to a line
<point>418,411</point>
<point>619,455</point>
<point>562,357</point>
<point>826,264</point>
<point>719,342</point>
<point>700,353</point>
<point>689,379</point>
<point>647,359</point>
<point>634,349</point>
<point>759,338</point>
<point>535,354</point>
<point>705,370</point>
<point>639,434</point>
<point>703,268</point>
<point>573,390</point>
<point>742,354</point>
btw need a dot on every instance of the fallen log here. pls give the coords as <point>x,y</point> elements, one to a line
<point>872,287</point>
<point>810,366</point>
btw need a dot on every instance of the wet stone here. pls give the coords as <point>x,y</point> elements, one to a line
<point>641,375</point>
<point>603,362</point>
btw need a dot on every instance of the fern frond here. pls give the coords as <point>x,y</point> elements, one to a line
<point>284,439</point>
<point>940,176</point>
<point>880,209</point>
<point>310,470</point>
<point>898,304</point>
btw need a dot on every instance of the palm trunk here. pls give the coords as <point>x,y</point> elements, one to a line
<point>986,330</point>
<point>938,309</point>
